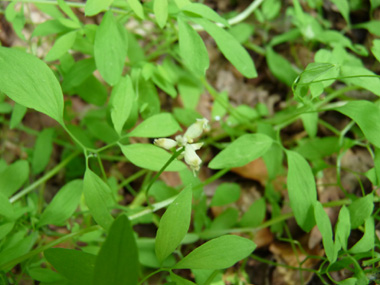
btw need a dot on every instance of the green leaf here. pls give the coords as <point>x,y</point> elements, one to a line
<point>42,150</point>
<point>370,83</point>
<point>344,8</point>
<point>218,253</point>
<point>18,114</point>
<point>226,220</point>
<point>122,98</point>
<point>310,123</point>
<point>205,12</point>
<point>61,46</point>
<point>241,151</point>
<point>93,7</point>
<point>367,115</point>
<point>181,3</point>
<point>367,242</point>
<point>137,8</point>
<point>117,261</point>
<point>66,8</point>
<point>179,280</point>
<point>97,195</point>
<point>92,91</point>
<point>192,48</point>
<point>343,227</point>
<point>6,208</point>
<point>110,49</point>
<point>376,49</point>
<point>13,177</point>
<point>30,82</point>
<point>150,157</point>
<point>280,67</point>
<point>160,9</point>
<point>77,266</point>
<point>174,224</point>
<point>160,125</point>
<point>324,226</point>
<point>78,73</point>
<point>225,193</point>
<point>230,47</point>
<point>63,205</point>
<point>302,190</point>
<point>360,210</point>
<point>255,214</point>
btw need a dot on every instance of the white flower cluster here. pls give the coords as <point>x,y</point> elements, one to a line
<point>186,141</point>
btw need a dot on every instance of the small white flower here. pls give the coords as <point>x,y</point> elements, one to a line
<point>165,143</point>
<point>185,141</point>
<point>191,158</point>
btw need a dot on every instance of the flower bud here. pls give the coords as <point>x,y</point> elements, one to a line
<point>191,158</point>
<point>196,129</point>
<point>165,143</point>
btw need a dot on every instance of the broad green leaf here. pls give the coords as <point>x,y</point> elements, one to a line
<point>46,276</point>
<point>360,210</point>
<point>192,48</point>
<point>372,26</point>
<point>280,67</point>
<point>271,9</point>
<point>344,8</point>
<point>181,3</point>
<point>6,208</point>
<point>51,10</point>
<point>78,73</point>
<point>219,107</point>
<point>30,82</point>
<point>218,253</point>
<point>63,205</point>
<point>302,190</point>
<point>230,47</point>
<point>67,10</point>
<point>255,214</point>
<point>94,7</point>
<point>137,8</point>
<point>19,248</point>
<point>5,229</point>
<point>174,224</point>
<point>318,71</point>
<point>180,280</point>
<point>42,150</point>
<point>310,123</point>
<point>241,151</point>
<point>150,157</point>
<point>226,220</point>
<point>190,91</point>
<point>367,242</point>
<point>122,98</point>
<point>226,193</point>
<point>117,261</point>
<point>343,227</point>
<point>61,46</point>
<point>110,49</point>
<point>370,83</point>
<point>97,195</point>
<point>13,177</point>
<point>160,125</point>
<point>367,115</point>
<point>18,114</point>
<point>77,266</point>
<point>376,49</point>
<point>324,226</point>
<point>92,91</point>
<point>205,12</point>
<point>160,9</point>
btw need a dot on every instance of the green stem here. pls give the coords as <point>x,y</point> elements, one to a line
<point>44,178</point>
<point>32,253</point>
<point>150,275</point>
<point>211,277</point>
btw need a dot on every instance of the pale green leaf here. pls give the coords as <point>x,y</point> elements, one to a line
<point>360,210</point>
<point>61,46</point>
<point>174,224</point>
<point>157,126</point>
<point>324,226</point>
<point>280,67</point>
<point>30,82</point>
<point>255,215</point>
<point>110,49</point>
<point>242,151</point>
<point>137,8</point>
<point>376,49</point>
<point>18,114</point>
<point>94,7</point>
<point>150,157</point>
<point>97,195</point>
<point>42,150</point>
<point>206,12</point>
<point>226,193</point>
<point>230,47</point>
<point>371,83</point>
<point>367,242</point>
<point>343,227</point>
<point>179,280</point>
<point>122,98</point>
<point>192,48</point>
<point>13,177</point>
<point>310,123</point>
<point>160,9</point>
<point>117,261</point>
<point>6,208</point>
<point>367,115</point>
<point>218,253</point>
<point>63,205</point>
<point>344,8</point>
<point>302,190</point>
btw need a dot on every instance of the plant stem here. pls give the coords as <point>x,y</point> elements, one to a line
<point>151,274</point>
<point>44,178</point>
